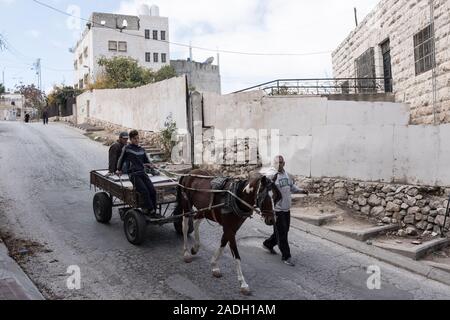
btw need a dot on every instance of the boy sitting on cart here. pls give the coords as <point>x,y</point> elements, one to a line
<point>137,160</point>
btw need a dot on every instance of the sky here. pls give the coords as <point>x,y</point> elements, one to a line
<point>255,26</point>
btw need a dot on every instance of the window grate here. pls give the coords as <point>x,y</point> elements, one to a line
<point>424,57</point>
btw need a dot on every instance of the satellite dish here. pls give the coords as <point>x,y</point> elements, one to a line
<point>210,60</point>
<point>124,23</point>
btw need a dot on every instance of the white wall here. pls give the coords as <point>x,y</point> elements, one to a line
<point>144,108</point>
<point>369,141</point>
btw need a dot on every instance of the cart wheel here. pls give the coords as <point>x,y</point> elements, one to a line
<point>134,226</point>
<point>178,224</point>
<point>102,207</point>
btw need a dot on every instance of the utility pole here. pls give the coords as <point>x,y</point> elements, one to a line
<point>191,63</point>
<point>37,67</point>
<point>356,16</point>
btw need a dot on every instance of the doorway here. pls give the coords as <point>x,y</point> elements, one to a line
<point>387,69</point>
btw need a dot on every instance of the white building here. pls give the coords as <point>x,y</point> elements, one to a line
<point>144,37</point>
<point>11,105</point>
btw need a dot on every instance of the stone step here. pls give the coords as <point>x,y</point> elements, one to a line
<point>314,219</point>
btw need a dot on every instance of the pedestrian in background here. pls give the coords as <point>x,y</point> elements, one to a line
<point>45,116</point>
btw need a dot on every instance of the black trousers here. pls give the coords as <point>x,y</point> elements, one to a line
<point>145,187</point>
<point>280,234</point>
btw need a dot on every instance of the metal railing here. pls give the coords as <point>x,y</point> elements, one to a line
<point>324,86</point>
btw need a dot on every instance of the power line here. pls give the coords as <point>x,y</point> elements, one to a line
<point>183,44</point>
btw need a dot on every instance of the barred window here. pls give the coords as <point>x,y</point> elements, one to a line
<point>424,50</point>
<point>163,58</point>
<point>147,34</point>
<point>155,57</point>
<point>147,57</point>
<point>163,35</point>
<point>112,45</point>
<point>122,46</point>
<point>155,34</point>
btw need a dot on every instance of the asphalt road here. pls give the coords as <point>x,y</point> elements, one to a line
<point>45,197</point>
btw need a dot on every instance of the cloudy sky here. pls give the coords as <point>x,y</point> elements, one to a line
<point>254,26</point>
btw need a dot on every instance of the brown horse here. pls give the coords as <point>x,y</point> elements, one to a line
<point>254,191</point>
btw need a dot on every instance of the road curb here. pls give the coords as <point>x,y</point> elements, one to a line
<point>14,283</point>
<point>397,260</point>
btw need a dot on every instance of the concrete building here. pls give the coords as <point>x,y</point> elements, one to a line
<point>11,105</point>
<point>144,38</point>
<point>406,43</point>
<point>203,77</point>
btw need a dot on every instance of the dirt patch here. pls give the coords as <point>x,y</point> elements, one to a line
<point>392,237</point>
<point>21,249</point>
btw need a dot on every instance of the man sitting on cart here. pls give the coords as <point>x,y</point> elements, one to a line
<point>115,151</point>
<point>138,160</point>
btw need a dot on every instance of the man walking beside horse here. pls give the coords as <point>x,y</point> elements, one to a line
<point>282,210</point>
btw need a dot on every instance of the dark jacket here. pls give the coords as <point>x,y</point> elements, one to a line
<point>136,157</point>
<point>114,153</point>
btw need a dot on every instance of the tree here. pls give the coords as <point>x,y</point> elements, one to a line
<point>125,72</point>
<point>60,95</point>
<point>2,89</point>
<point>34,98</point>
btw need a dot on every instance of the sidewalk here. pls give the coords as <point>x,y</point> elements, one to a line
<point>420,267</point>
<point>14,283</point>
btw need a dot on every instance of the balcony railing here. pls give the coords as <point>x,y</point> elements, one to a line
<point>327,86</point>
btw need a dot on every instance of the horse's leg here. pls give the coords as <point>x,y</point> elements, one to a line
<point>196,247</point>
<point>245,290</point>
<point>214,266</point>
<point>186,255</point>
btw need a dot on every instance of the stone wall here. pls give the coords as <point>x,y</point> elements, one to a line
<point>399,21</point>
<point>147,137</point>
<point>417,209</point>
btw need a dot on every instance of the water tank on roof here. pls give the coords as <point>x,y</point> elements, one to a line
<point>143,10</point>
<point>154,11</point>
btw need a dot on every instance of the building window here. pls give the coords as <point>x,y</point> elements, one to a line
<point>155,57</point>
<point>122,46</point>
<point>424,50</point>
<point>147,34</point>
<point>112,45</point>
<point>85,52</point>
<point>155,34</point>
<point>147,57</point>
<point>80,58</point>
<point>163,58</point>
<point>365,72</point>
<point>163,35</point>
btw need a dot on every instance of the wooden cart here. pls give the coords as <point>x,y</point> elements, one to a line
<point>119,192</point>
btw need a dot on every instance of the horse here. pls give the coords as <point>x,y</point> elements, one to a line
<point>195,191</point>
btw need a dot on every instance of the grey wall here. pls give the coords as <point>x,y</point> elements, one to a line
<point>203,77</point>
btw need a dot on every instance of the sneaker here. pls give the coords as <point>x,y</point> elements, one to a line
<point>289,262</point>
<point>270,250</point>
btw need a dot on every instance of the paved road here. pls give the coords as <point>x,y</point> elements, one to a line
<point>45,197</point>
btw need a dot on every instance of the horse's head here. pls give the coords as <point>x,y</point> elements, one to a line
<point>259,188</point>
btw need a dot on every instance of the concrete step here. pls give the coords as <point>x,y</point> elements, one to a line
<point>363,234</point>
<point>414,252</point>
<point>314,219</point>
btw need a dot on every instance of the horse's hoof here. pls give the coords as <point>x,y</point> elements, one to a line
<point>194,252</point>
<point>217,274</point>
<point>187,259</point>
<point>246,291</point>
